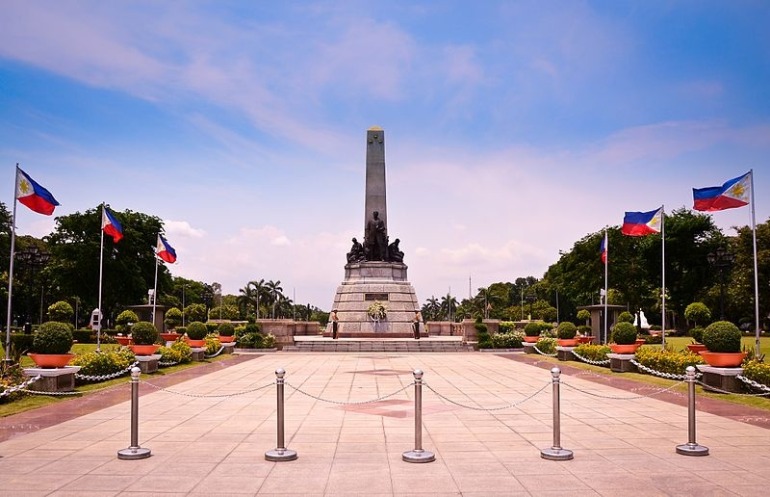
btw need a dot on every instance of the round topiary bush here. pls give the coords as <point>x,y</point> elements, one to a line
<point>60,311</point>
<point>722,336</point>
<point>625,317</point>
<point>144,333</point>
<point>173,318</point>
<point>697,312</point>
<point>697,334</point>
<point>226,329</point>
<point>52,337</point>
<point>124,321</point>
<point>624,333</point>
<point>532,329</point>
<point>566,330</point>
<point>196,330</point>
<point>583,315</point>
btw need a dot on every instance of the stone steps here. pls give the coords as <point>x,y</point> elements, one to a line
<point>379,346</point>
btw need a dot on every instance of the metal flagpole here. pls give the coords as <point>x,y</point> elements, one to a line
<point>756,273</point>
<point>155,286</point>
<point>663,272</point>
<point>10,269</point>
<point>606,293</point>
<point>101,272</point>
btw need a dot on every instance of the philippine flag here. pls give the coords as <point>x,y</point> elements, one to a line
<point>604,248</point>
<point>111,226</point>
<point>642,223</point>
<point>165,251</point>
<point>33,195</point>
<point>734,193</point>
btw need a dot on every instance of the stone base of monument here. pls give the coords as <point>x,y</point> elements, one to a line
<point>198,353</point>
<point>720,379</point>
<point>621,363</point>
<point>564,353</point>
<point>148,363</point>
<point>375,281</point>
<point>53,380</point>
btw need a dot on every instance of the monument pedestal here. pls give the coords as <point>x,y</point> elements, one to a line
<point>621,363</point>
<point>53,380</point>
<point>148,363</point>
<point>564,353</point>
<point>198,353</point>
<point>367,282</point>
<point>721,380</point>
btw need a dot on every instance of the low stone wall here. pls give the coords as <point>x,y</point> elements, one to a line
<point>284,330</point>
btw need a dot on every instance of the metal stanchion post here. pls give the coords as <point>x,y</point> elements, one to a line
<point>691,448</point>
<point>134,451</point>
<point>280,453</point>
<point>418,454</point>
<point>556,453</point>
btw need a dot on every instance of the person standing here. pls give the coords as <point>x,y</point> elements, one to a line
<point>335,323</point>
<point>416,324</point>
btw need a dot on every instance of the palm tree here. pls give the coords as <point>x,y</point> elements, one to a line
<point>431,309</point>
<point>274,292</point>
<point>448,306</point>
<point>250,295</point>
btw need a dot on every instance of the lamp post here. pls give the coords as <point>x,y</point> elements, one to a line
<point>722,260</point>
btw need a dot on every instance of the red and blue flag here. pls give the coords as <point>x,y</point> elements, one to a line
<point>165,251</point>
<point>733,193</point>
<point>603,249</point>
<point>111,226</point>
<point>34,196</point>
<point>642,223</point>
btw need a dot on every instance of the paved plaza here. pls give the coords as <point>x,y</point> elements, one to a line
<point>486,418</point>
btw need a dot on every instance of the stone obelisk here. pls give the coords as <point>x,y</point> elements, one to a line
<point>375,271</point>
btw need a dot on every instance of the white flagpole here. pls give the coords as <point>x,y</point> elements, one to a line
<point>101,266</point>
<point>756,273</point>
<point>663,272</point>
<point>155,286</point>
<point>8,358</point>
<point>606,293</point>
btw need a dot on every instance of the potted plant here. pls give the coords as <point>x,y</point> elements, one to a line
<point>532,332</point>
<point>172,320</point>
<point>565,334</point>
<point>226,332</point>
<point>697,340</point>
<point>196,334</point>
<point>144,335</point>
<point>723,345</point>
<point>584,334</point>
<point>51,345</point>
<point>624,338</point>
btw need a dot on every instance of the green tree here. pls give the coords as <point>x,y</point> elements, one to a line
<point>274,294</point>
<point>740,291</point>
<point>252,295</point>
<point>431,309</point>
<point>61,311</point>
<point>195,312</point>
<point>448,307</point>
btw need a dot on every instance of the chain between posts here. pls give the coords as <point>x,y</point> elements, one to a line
<point>104,377</point>
<point>337,402</point>
<point>207,396</point>
<point>509,406</point>
<point>613,397</point>
<point>590,361</point>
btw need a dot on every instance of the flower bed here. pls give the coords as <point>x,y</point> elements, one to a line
<point>666,360</point>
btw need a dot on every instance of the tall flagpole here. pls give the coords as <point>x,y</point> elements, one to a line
<point>8,359</point>
<point>101,272</point>
<point>663,271</point>
<point>606,294</point>
<point>756,273</point>
<point>155,286</point>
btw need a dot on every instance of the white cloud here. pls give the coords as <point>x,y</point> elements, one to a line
<point>182,228</point>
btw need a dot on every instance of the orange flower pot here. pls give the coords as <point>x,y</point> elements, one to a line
<point>196,343</point>
<point>223,339</point>
<point>144,349</point>
<point>567,342</point>
<point>623,349</point>
<point>125,341</point>
<point>723,359</point>
<point>531,339</point>
<point>50,361</point>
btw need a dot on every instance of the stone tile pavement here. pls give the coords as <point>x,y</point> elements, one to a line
<point>485,417</point>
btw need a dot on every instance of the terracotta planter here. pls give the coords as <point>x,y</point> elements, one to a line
<point>567,342</point>
<point>51,360</point>
<point>531,339</point>
<point>723,359</point>
<point>144,349</point>
<point>641,341</point>
<point>169,337</point>
<point>623,349</point>
<point>196,343</point>
<point>585,339</point>
<point>696,347</point>
<point>223,339</point>
<point>125,341</point>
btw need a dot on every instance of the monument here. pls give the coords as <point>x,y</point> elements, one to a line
<point>376,298</point>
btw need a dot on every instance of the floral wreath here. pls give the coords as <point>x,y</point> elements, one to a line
<point>377,311</point>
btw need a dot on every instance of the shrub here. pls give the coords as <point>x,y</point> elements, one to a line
<point>53,337</point>
<point>211,327</point>
<point>173,318</point>
<point>722,336</point>
<point>667,360</point>
<point>144,333</point>
<point>197,330</point>
<point>532,329</point>
<point>181,330</point>
<point>104,363</point>
<point>195,312</point>
<point>482,335</point>
<point>169,355</point>
<point>625,317</point>
<point>226,329</point>
<point>511,340</point>
<point>566,330</point>
<point>583,315</point>
<point>21,342</point>
<point>60,311</point>
<point>10,377</point>
<point>507,326</point>
<point>212,344</point>
<point>757,371</point>
<point>697,312</point>
<point>697,334</point>
<point>592,352</point>
<point>183,349</point>
<point>124,320</point>
<point>250,341</point>
<point>546,345</point>
<point>84,336</point>
<point>584,330</point>
<point>268,341</point>
<point>624,333</point>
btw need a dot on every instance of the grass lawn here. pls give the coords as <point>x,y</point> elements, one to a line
<point>680,343</point>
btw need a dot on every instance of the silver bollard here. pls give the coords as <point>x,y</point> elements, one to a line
<point>280,453</point>
<point>556,453</point>
<point>134,451</point>
<point>418,454</point>
<point>691,448</point>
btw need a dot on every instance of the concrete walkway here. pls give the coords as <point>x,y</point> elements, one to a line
<point>623,443</point>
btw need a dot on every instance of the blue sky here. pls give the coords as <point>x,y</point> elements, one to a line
<point>512,129</point>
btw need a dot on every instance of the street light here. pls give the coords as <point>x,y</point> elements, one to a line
<point>722,260</point>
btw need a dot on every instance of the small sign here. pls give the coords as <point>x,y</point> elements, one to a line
<point>375,296</point>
